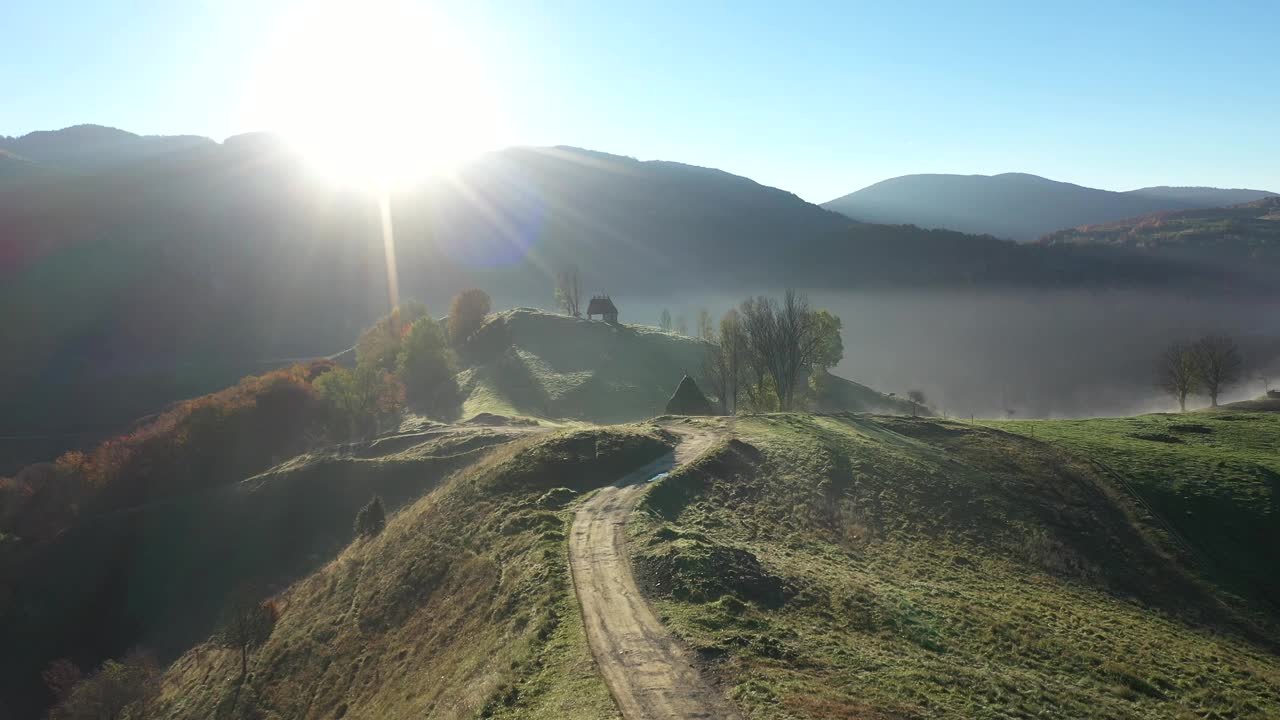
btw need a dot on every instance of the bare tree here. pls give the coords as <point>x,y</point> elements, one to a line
<point>1218,364</point>
<point>248,623</point>
<point>725,367</point>
<point>569,291</point>
<point>706,328</point>
<point>682,325</point>
<point>664,321</point>
<point>783,340</point>
<point>1177,373</point>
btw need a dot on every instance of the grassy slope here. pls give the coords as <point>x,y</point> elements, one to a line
<point>1213,476</point>
<point>836,567</point>
<point>533,363</point>
<point>462,606</point>
<point>559,367</point>
<point>158,575</point>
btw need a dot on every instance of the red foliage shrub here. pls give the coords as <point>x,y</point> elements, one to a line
<point>194,444</point>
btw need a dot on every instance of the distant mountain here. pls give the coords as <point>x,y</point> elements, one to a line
<point>177,272</point>
<point>171,275</point>
<point>1204,197</point>
<point>14,166</point>
<point>1017,206</point>
<point>93,147</point>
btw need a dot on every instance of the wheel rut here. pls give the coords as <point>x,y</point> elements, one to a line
<point>649,673</point>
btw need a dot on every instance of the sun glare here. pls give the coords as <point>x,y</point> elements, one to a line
<point>376,93</point>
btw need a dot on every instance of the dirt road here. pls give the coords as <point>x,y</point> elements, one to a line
<point>648,672</point>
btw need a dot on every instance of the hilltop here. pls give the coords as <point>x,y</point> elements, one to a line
<point>531,363</point>
<point>1018,206</point>
<point>1204,196</point>
<point>87,148</point>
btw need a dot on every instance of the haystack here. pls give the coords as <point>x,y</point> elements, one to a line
<point>689,400</point>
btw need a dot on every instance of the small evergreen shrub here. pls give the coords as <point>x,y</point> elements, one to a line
<point>372,518</point>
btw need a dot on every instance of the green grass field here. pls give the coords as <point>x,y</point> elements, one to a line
<point>865,567</point>
<point>820,566</point>
<point>1214,477</point>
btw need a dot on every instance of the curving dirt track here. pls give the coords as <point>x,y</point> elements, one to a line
<point>649,673</point>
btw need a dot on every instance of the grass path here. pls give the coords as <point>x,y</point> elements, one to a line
<point>649,674</point>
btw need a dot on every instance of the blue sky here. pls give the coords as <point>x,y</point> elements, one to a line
<point>817,98</point>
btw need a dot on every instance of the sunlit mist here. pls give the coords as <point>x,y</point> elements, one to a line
<point>376,93</point>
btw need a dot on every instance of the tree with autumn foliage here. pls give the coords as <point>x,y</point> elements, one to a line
<point>466,314</point>
<point>379,344</point>
<point>359,401</point>
<point>196,443</point>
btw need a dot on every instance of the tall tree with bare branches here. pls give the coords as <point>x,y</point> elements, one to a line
<point>706,327</point>
<point>1218,364</point>
<point>569,291</point>
<point>1177,373</point>
<point>726,363</point>
<point>784,340</point>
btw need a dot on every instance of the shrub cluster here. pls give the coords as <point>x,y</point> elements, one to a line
<point>119,688</point>
<point>192,445</point>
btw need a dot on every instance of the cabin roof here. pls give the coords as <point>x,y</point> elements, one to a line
<point>601,305</point>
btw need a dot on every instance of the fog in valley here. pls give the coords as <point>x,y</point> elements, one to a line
<point>1039,354</point>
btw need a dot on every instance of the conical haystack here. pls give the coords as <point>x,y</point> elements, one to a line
<point>689,400</point>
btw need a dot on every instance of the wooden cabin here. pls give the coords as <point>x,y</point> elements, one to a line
<point>601,305</point>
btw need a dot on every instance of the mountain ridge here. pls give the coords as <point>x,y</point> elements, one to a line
<point>1016,205</point>
<point>233,253</point>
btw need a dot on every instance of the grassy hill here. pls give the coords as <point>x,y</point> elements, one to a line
<point>1213,477</point>
<point>159,574</point>
<point>536,364</point>
<point>830,566</point>
<point>867,567</point>
<point>821,565</point>
<point>461,608</point>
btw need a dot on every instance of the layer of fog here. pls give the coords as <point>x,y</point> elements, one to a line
<point>1027,354</point>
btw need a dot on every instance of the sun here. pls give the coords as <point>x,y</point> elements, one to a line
<point>376,93</point>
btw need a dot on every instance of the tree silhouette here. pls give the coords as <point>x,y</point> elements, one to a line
<point>1178,374</point>
<point>1218,364</point>
<point>569,291</point>
<point>466,314</point>
<point>371,519</point>
<point>247,624</point>
<point>917,399</point>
